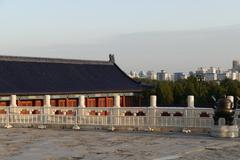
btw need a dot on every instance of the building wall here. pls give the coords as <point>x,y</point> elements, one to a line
<point>125,101</point>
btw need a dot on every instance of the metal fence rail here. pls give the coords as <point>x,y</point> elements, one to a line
<point>143,117</point>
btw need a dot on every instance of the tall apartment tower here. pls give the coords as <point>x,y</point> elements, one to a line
<point>236,65</point>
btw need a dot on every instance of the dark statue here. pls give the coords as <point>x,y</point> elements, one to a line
<point>111,58</point>
<point>224,108</point>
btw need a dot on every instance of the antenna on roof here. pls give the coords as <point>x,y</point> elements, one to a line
<point>111,58</point>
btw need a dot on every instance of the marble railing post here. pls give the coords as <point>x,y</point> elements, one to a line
<point>79,111</point>
<point>13,104</point>
<point>189,112</point>
<point>152,113</point>
<point>13,100</point>
<point>46,111</point>
<point>11,109</point>
<point>190,101</point>
<point>153,101</point>
<point>47,105</point>
<point>115,113</point>
<point>81,106</point>
<point>47,101</point>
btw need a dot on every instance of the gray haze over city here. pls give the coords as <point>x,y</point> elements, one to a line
<point>143,35</point>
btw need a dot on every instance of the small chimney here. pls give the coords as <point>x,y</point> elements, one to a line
<point>111,58</point>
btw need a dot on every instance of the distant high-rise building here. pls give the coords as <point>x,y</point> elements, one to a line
<point>218,71</point>
<point>142,74</point>
<point>212,70</point>
<point>210,76</point>
<point>235,65</point>
<point>163,76</point>
<point>234,76</point>
<point>201,71</point>
<point>179,76</point>
<point>133,74</point>
<point>151,75</point>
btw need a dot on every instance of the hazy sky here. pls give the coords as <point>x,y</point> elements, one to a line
<point>175,35</point>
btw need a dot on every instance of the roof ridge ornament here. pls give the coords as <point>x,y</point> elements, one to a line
<point>111,58</point>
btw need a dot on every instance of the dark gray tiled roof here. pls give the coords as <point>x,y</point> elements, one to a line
<point>28,75</point>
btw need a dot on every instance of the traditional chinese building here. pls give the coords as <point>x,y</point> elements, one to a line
<point>65,80</point>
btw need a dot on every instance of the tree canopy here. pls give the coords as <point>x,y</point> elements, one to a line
<point>175,93</point>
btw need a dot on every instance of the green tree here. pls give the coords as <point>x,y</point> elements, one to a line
<point>178,94</point>
<point>232,87</point>
<point>175,93</point>
<point>165,93</point>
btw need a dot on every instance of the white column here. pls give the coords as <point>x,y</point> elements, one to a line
<point>47,104</point>
<point>47,101</point>
<point>117,101</point>
<point>45,112</point>
<point>79,111</point>
<point>10,110</point>
<point>13,100</point>
<point>82,101</point>
<point>13,103</point>
<point>152,112</point>
<point>190,101</point>
<point>116,111</point>
<point>153,101</point>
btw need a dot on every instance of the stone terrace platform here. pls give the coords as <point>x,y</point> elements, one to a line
<point>49,144</point>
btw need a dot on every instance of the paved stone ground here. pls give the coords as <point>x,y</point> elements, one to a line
<point>49,144</point>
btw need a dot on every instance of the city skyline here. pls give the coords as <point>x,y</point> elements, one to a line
<point>174,36</point>
<point>203,73</point>
<point>187,71</point>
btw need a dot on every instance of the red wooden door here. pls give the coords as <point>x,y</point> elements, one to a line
<point>61,102</point>
<point>101,102</point>
<point>38,103</point>
<point>53,102</point>
<point>91,102</point>
<point>110,102</point>
<point>72,102</point>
